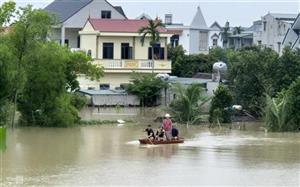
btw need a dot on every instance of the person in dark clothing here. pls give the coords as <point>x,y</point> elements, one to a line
<point>175,133</point>
<point>150,132</point>
<point>160,134</point>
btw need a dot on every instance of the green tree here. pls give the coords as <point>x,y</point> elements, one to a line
<point>152,31</point>
<point>7,11</point>
<point>282,112</point>
<point>220,110</point>
<point>218,54</point>
<point>7,75</point>
<point>225,34</point>
<point>45,72</point>
<point>79,62</point>
<point>147,87</point>
<point>285,71</point>
<point>238,30</point>
<point>187,106</point>
<point>249,76</point>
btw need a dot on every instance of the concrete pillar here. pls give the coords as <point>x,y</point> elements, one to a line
<point>166,49</point>
<point>63,30</point>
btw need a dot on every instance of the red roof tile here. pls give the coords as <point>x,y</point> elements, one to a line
<point>120,25</point>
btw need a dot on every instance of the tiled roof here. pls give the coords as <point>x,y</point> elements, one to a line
<point>120,25</point>
<point>64,9</point>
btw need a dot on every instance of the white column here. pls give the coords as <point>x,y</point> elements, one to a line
<point>63,35</point>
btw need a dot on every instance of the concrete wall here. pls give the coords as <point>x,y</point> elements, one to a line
<point>274,33</point>
<point>114,100</point>
<point>210,39</point>
<point>88,42</point>
<point>114,79</point>
<point>92,10</point>
<point>184,40</point>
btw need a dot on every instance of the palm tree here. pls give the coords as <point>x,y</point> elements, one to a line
<point>188,104</point>
<point>238,30</point>
<point>225,33</point>
<point>151,30</point>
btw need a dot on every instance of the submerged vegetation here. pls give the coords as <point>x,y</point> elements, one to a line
<point>187,107</point>
<point>39,77</point>
<point>220,109</point>
<point>147,87</point>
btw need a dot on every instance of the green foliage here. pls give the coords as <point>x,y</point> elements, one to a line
<point>220,105</point>
<point>187,106</point>
<point>151,30</point>
<point>249,76</point>
<point>218,54</point>
<point>78,101</point>
<point>45,85</point>
<point>79,62</point>
<point>39,73</point>
<point>7,10</point>
<point>282,112</point>
<point>189,65</point>
<point>284,71</point>
<point>147,87</point>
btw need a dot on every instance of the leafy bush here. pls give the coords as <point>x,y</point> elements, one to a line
<point>187,106</point>
<point>147,87</point>
<point>282,113</point>
<point>220,105</point>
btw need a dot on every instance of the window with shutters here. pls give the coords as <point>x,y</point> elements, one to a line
<point>203,43</point>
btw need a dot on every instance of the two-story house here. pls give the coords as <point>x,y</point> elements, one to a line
<point>72,15</point>
<point>292,37</point>
<point>115,44</point>
<point>273,29</point>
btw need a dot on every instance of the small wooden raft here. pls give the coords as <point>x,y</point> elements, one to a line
<point>156,142</point>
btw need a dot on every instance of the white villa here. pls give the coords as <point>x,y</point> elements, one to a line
<point>194,37</point>
<point>292,37</point>
<point>72,16</point>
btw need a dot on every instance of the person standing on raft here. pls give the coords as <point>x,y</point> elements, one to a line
<point>167,126</point>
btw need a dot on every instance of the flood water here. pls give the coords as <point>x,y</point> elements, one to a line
<point>111,155</point>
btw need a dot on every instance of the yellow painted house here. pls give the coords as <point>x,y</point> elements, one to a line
<point>115,45</point>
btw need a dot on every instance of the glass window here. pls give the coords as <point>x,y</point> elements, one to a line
<point>203,42</point>
<point>265,25</point>
<point>104,86</point>
<point>108,51</point>
<point>215,42</point>
<point>105,14</point>
<point>78,41</point>
<point>175,40</point>
<point>159,52</point>
<point>126,51</point>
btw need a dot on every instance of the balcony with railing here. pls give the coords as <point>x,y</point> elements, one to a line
<point>128,66</point>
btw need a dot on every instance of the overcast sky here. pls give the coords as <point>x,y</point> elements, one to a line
<point>237,12</point>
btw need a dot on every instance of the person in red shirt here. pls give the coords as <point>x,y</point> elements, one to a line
<point>167,126</point>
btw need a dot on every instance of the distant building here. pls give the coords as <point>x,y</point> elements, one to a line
<point>292,36</point>
<point>72,16</point>
<point>244,38</point>
<point>215,35</point>
<point>115,45</point>
<point>194,37</point>
<point>273,29</point>
<point>144,16</point>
